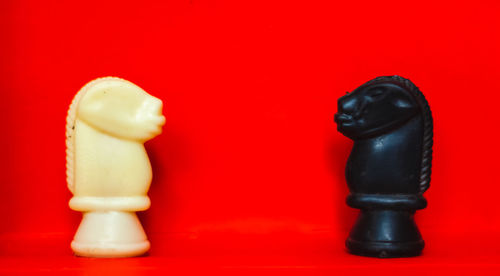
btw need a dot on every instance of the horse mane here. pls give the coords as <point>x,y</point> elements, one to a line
<point>70,131</point>
<point>425,170</point>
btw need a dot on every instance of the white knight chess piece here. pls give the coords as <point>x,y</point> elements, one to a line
<point>108,169</point>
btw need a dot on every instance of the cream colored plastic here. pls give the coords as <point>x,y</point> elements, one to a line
<point>108,169</point>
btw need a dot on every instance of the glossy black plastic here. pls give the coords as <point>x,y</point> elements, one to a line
<point>389,167</point>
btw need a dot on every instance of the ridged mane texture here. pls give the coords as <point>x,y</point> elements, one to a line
<point>425,170</point>
<point>70,130</point>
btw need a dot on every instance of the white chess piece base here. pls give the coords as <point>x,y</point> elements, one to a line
<point>110,234</point>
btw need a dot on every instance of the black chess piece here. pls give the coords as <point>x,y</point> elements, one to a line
<point>389,167</point>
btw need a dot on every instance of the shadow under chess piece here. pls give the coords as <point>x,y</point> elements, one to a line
<point>108,169</point>
<point>389,167</point>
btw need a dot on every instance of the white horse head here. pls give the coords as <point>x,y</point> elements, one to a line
<point>116,108</point>
<point>122,109</point>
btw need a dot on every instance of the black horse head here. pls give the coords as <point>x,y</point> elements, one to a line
<point>375,107</point>
<point>383,106</point>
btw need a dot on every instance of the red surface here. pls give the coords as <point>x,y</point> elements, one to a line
<point>248,174</point>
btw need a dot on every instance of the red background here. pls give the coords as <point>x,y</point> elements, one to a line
<point>248,174</point>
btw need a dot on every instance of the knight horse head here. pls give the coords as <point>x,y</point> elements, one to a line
<point>121,109</point>
<point>385,111</point>
<point>375,108</point>
<point>107,124</point>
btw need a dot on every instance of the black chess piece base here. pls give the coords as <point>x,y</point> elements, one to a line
<point>385,232</point>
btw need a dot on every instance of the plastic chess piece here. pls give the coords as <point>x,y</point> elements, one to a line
<point>389,167</point>
<point>108,169</point>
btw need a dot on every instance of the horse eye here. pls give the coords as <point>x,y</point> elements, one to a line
<point>377,94</point>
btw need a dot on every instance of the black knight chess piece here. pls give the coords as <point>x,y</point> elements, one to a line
<point>389,167</point>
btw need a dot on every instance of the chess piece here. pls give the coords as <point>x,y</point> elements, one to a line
<point>108,169</point>
<point>389,167</point>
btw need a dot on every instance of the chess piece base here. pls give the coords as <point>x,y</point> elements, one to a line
<point>110,234</point>
<point>385,234</point>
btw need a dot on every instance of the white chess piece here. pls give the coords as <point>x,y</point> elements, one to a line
<point>108,169</point>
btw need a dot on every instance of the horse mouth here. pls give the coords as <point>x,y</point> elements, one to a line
<point>341,118</point>
<point>159,120</point>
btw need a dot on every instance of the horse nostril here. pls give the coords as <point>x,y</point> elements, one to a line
<point>347,105</point>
